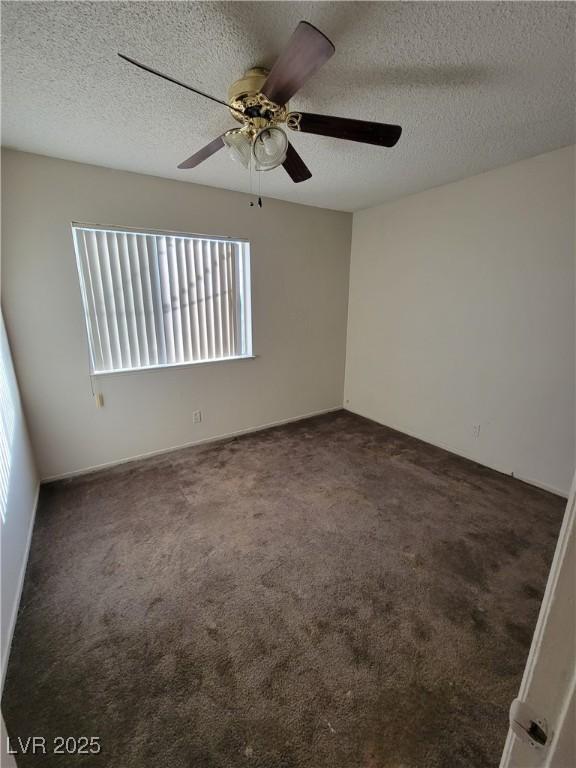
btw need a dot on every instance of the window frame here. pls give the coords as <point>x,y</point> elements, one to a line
<point>245,296</point>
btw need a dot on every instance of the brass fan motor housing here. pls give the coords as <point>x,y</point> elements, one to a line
<point>245,93</point>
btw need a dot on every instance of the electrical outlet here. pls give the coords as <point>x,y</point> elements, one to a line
<point>196,417</point>
<point>99,397</point>
<point>476,428</point>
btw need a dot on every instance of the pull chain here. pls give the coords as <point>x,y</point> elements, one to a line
<point>260,190</point>
<point>259,173</point>
<point>259,202</point>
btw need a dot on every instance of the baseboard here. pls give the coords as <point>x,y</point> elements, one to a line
<point>462,454</point>
<point>16,606</point>
<point>258,428</point>
<point>151,454</point>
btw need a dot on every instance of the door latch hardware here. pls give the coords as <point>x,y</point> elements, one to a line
<point>527,726</point>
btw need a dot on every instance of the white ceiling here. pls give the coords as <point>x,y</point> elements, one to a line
<point>474,85</point>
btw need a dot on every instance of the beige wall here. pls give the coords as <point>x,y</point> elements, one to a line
<point>461,313</point>
<point>300,262</point>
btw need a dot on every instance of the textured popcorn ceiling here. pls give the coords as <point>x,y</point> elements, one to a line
<point>474,85</point>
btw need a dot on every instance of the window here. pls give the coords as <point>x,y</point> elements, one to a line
<point>155,299</point>
<point>7,418</point>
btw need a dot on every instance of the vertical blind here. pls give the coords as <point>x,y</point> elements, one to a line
<point>154,299</point>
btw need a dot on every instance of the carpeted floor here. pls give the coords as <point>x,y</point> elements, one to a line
<point>327,594</point>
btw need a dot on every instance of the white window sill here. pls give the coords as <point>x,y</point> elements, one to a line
<point>173,365</point>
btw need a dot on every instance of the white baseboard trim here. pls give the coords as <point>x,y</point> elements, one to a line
<point>151,454</point>
<point>258,428</point>
<point>529,481</point>
<point>16,606</point>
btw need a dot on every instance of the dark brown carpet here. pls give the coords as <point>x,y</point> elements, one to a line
<point>328,594</point>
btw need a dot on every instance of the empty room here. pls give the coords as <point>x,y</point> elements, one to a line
<point>287,384</point>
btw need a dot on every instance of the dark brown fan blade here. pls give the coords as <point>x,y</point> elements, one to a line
<point>381,134</point>
<point>146,68</point>
<point>295,166</point>
<point>203,154</point>
<point>306,51</point>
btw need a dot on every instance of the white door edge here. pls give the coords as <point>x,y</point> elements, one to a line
<point>566,533</point>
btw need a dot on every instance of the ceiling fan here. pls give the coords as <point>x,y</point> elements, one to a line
<point>259,100</point>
